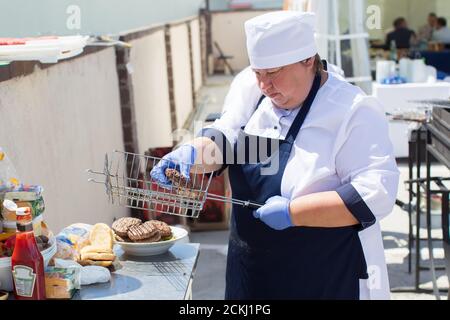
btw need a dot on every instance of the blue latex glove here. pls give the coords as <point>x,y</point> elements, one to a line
<point>275,213</point>
<point>180,159</point>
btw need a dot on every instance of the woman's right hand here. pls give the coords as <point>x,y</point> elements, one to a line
<point>180,159</point>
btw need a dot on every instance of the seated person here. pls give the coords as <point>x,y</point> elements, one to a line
<point>442,32</point>
<point>426,32</point>
<point>402,36</point>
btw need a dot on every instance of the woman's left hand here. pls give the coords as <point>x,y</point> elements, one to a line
<point>275,213</point>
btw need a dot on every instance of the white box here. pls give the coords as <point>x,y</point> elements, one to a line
<point>398,97</point>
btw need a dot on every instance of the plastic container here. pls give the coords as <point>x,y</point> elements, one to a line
<point>8,215</point>
<point>11,226</point>
<point>30,199</point>
<point>404,69</point>
<point>384,69</point>
<point>6,280</point>
<point>45,50</point>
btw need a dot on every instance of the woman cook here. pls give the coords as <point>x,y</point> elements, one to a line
<point>317,236</point>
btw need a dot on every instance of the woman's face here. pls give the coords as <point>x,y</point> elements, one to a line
<point>287,86</point>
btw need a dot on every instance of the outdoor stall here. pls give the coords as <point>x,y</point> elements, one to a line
<point>402,110</point>
<point>136,150</point>
<point>438,146</point>
<point>428,204</point>
<point>130,259</point>
<point>437,59</point>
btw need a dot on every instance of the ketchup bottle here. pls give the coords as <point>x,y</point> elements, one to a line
<point>27,261</point>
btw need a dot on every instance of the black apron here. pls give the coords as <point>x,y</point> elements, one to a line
<point>295,263</point>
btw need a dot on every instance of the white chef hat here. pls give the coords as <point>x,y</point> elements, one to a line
<point>280,38</point>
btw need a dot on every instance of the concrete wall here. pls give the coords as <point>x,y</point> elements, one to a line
<point>443,9</point>
<point>160,89</point>
<point>55,123</point>
<point>179,41</point>
<point>150,82</point>
<point>228,32</point>
<point>58,121</point>
<point>151,92</point>
<point>196,53</point>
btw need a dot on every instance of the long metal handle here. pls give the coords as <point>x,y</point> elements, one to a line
<point>96,181</point>
<point>248,204</point>
<point>210,196</point>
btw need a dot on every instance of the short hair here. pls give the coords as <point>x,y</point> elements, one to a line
<point>318,64</point>
<point>432,14</point>
<point>442,21</point>
<point>398,22</point>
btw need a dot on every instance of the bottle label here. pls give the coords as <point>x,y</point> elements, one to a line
<point>24,280</point>
<point>24,227</point>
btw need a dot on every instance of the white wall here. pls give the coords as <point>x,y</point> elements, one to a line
<point>228,31</point>
<point>151,93</point>
<point>150,82</point>
<point>179,41</point>
<point>196,53</point>
<point>56,123</point>
<point>443,9</point>
<point>414,11</point>
<point>417,13</point>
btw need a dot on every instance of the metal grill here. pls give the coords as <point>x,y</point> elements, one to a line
<point>127,179</point>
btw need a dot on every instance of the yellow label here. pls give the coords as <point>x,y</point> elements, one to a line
<point>2,156</point>
<point>6,235</point>
<point>14,181</point>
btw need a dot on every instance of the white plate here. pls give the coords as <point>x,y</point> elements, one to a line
<point>153,248</point>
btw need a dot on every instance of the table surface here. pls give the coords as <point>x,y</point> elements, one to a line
<point>437,59</point>
<point>396,97</point>
<point>161,277</point>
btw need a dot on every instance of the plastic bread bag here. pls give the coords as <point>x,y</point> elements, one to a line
<point>9,180</point>
<point>71,273</point>
<point>61,282</point>
<point>65,250</point>
<point>72,239</point>
<point>8,175</point>
<point>88,274</point>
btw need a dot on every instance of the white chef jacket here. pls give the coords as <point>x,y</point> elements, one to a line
<point>343,141</point>
<point>442,35</point>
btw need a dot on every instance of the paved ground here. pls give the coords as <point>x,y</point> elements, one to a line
<point>209,280</point>
<point>395,238</point>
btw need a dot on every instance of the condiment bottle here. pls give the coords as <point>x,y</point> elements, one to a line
<point>27,261</point>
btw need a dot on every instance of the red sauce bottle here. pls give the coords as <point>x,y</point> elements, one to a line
<point>27,261</point>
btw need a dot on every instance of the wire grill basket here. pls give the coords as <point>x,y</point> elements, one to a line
<point>128,183</point>
<point>126,177</point>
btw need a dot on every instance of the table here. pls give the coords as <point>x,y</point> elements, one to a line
<point>438,59</point>
<point>399,98</point>
<point>434,134</point>
<point>427,185</point>
<point>163,277</point>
